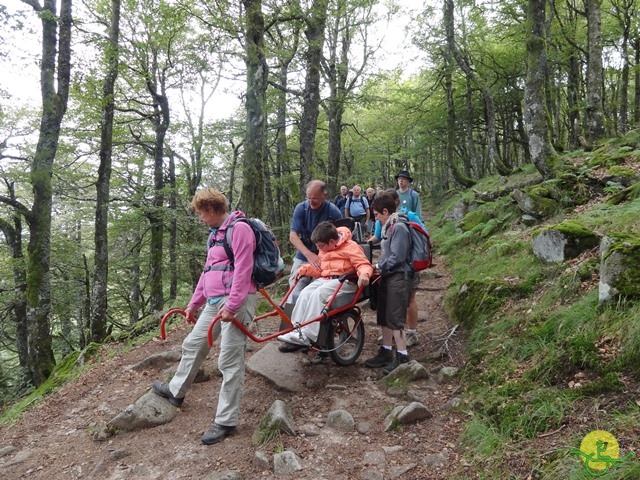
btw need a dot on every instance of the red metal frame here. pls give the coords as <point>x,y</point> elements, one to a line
<point>278,311</point>
<point>174,311</point>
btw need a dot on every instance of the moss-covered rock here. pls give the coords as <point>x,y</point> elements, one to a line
<point>628,194</point>
<point>536,205</point>
<point>473,219</point>
<point>568,239</point>
<point>623,175</point>
<point>619,267</point>
<point>476,300</point>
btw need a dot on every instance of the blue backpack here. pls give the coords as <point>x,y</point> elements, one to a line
<point>267,262</point>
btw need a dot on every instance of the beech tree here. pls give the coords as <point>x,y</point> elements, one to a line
<point>594,110</point>
<point>98,316</point>
<point>257,76</point>
<point>535,105</point>
<point>314,32</point>
<point>55,69</point>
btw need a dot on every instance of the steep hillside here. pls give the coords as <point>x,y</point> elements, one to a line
<point>547,362</point>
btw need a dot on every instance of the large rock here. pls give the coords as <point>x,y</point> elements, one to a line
<point>284,371</point>
<point>534,204</point>
<point>149,410</point>
<point>565,240</point>
<point>619,267</point>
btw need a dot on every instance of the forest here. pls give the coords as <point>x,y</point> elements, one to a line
<point>97,174</point>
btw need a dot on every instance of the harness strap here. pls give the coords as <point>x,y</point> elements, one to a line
<point>218,267</point>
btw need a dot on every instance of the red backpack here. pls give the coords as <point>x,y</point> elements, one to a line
<point>421,251</point>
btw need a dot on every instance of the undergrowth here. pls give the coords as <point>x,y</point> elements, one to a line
<point>544,357</point>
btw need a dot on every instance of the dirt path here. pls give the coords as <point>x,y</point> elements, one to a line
<point>54,439</point>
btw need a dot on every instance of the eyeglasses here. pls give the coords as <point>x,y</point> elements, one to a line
<point>321,245</point>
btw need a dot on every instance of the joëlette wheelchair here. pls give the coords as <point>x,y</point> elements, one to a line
<point>342,333</point>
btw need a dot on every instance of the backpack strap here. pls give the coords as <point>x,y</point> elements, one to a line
<point>226,244</point>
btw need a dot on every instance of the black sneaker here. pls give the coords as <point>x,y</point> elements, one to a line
<point>217,433</point>
<point>382,358</point>
<point>399,360</point>
<point>162,389</point>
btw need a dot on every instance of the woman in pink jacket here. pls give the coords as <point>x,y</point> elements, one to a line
<point>338,255</point>
<point>226,290</point>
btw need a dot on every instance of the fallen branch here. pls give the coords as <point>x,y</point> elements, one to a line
<point>445,339</point>
<point>548,434</point>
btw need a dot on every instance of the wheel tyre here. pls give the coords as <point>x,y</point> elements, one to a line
<point>346,338</point>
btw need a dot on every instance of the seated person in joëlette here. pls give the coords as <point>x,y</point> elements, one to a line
<point>338,255</point>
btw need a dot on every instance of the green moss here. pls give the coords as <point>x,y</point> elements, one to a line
<point>618,171</point>
<point>572,228</point>
<point>628,194</point>
<point>545,190</point>
<point>545,207</point>
<point>476,300</point>
<point>473,219</point>
<point>66,370</point>
<point>587,269</point>
<point>628,246</point>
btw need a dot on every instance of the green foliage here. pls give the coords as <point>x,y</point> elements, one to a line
<point>539,344</point>
<point>67,370</point>
<point>267,431</point>
<point>484,439</point>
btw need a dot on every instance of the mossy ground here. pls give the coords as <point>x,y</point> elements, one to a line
<point>543,355</point>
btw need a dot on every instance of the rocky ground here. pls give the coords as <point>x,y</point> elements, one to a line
<point>55,439</point>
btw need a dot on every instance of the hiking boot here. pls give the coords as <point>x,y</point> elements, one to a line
<point>217,433</point>
<point>412,339</point>
<point>399,360</point>
<point>162,389</point>
<point>382,358</point>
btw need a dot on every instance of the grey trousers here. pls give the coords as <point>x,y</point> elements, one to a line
<point>195,349</point>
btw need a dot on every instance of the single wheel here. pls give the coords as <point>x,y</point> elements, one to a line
<point>346,337</point>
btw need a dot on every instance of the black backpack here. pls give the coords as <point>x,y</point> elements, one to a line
<point>267,262</point>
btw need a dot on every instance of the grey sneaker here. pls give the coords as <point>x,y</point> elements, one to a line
<point>382,358</point>
<point>399,360</point>
<point>412,339</point>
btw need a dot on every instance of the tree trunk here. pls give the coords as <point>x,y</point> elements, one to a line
<point>595,109</point>
<point>55,69</point>
<point>470,161</point>
<point>156,85</point>
<point>173,229</point>
<point>257,76</point>
<point>535,112</point>
<point>573,95</point>
<point>282,207</point>
<point>636,102</point>
<point>311,95</point>
<point>98,316</point>
<point>490,108</point>
<point>624,12</point>
<point>458,175</point>
<point>13,236</point>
